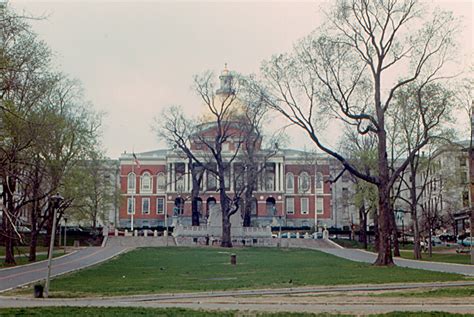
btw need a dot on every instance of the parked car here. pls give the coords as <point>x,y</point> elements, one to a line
<point>317,235</point>
<point>23,229</point>
<point>467,242</point>
<point>436,241</point>
<point>290,235</point>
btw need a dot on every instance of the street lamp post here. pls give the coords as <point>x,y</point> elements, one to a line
<point>55,200</point>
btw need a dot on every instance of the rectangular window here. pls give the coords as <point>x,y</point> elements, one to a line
<point>290,205</point>
<point>304,206</point>
<point>319,205</point>
<point>131,206</point>
<point>145,206</point>
<point>160,205</point>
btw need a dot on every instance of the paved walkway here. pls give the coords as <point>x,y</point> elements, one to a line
<point>369,257</point>
<point>26,274</point>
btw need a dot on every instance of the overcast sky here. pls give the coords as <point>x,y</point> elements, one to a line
<point>135,58</point>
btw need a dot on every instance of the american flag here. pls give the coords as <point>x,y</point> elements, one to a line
<point>136,161</point>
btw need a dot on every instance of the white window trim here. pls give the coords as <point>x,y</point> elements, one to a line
<point>132,199</point>
<point>164,206</point>
<point>131,189</point>
<point>300,181</point>
<point>288,212</point>
<point>158,189</point>
<point>143,190</point>
<point>292,189</point>
<point>304,212</point>
<point>321,177</point>
<point>320,199</point>
<point>143,204</point>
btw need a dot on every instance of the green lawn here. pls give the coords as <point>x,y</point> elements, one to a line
<point>163,270</point>
<point>175,312</point>
<point>440,257</point>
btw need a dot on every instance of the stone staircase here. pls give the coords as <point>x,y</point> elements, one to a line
<point>139,242</point>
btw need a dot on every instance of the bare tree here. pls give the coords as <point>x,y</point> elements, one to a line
<point>340,70</point>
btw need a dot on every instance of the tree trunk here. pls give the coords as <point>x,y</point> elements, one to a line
<point>196,180</point>
<point>226,240</point>
<point>8,216</point>
<point>363,226</point>
<point>376,231</point>
<point>396,247</point>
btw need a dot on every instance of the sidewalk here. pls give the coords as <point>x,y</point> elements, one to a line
<point>369,257</point>
<point>25,274</point>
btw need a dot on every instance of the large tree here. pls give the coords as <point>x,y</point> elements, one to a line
<point>344,69</point>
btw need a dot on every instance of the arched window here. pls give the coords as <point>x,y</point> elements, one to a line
<point>146,183</point>
<point>131,180</point>
<point>319,182</point>
<point>161,182</point>
<point>304,183</point>
<point>271,206</point>
<point>290,183</point>
<point>210,203</point>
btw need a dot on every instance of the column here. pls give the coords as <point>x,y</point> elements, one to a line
<point>186,177</point>
<point>277,177</point>
<point>173,178</point>
<point>282,178</point>
<point>168,178</point>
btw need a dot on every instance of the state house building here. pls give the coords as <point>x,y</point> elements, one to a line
<point>293,194</point>
<point>291,191</point>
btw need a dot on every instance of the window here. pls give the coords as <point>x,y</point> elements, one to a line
<point>271,206</point>
<point>304,206</point>
<point>319,205</point>
<point>211,181</point>
<point>145,206</point>
<point>145,183</point>
<point>319,182</point>
<point>179,182</point>
<point>178,206</point>
<point>131,206</point>
<point>290,183</point>
<point>269,183</point>
<point>131,179</point>
<point>161,182</point>
<point>160,205</point>
<point>304,183</point>
<point>290,205</point>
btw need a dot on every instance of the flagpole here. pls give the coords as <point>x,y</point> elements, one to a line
<point>133,193</point>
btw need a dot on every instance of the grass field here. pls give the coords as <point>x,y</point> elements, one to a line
<point>175,312</point>
<point>163,270</point>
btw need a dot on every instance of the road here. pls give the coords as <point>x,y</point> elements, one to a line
<point>30,273</point>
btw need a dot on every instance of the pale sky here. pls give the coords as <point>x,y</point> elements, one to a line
<point>135,58</point>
